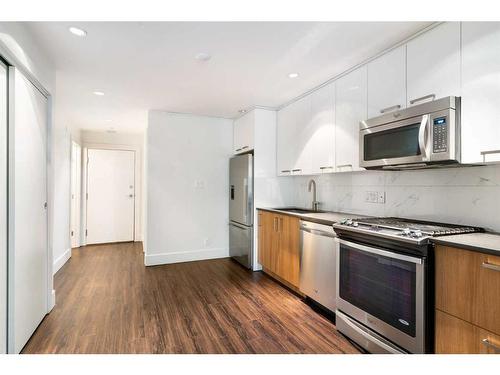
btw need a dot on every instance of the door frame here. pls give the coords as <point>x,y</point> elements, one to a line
<point>78,196</point>
<point>137,184</point>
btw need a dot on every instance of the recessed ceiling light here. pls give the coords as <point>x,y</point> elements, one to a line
<point>98,93</point>
<point>203,56</point>
<point>77,31</point>
<point>242,111</point>
<point>293,75</point>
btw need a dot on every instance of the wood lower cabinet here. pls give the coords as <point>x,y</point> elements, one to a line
<point>456,336</point>
<point>467,301</point>
<point>279,246</point>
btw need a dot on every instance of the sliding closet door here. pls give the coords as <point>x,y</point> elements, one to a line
<point>28,256</point>
<point>3,208</point>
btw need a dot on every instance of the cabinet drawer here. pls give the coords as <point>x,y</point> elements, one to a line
<point>456,336</point>
<point>468,286</point>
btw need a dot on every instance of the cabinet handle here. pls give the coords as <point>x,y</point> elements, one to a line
<point>275,222</point>
<point>344,165</point>
<point>285,171</point>
<point>238,149</point>
<point>244,147</point>
<point>391,108</point>
<point>489,344</point>
<point>296,170</point>
<point>280,227</point>
<point>491,266</point>
<point>430,96</point>
<point>490,152</point>
<point>328,167</point>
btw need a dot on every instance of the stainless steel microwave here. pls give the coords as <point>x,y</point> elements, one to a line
<point>423,136</point>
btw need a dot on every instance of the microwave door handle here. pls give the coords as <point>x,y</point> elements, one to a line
<point>421,136</point>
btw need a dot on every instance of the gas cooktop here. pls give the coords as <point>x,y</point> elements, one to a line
<point>407,230</point>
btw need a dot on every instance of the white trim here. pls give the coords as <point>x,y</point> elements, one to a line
<point>185,256</point>
<point>59,262</point>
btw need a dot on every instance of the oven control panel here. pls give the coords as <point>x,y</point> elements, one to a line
<point>439,135</point>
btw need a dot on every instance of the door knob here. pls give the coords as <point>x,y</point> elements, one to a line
<point>131,195</point>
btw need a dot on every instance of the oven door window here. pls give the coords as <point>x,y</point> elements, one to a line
<point>381,286</point>
<point>392,143</point>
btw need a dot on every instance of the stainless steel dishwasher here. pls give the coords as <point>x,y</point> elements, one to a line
<point>317,263</point>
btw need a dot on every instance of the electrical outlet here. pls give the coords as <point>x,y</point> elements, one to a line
<point>375,197</point>
<point>381,197</point>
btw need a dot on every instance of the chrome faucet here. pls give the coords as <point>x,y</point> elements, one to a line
<point>315,203</point>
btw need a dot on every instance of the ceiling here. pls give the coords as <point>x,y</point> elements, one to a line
<point>151,65</point>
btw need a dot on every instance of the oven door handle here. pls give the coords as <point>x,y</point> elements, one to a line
<point>385,253</point>
<point>421,136</point>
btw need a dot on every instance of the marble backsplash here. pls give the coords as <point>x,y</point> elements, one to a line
<point>466,195</point>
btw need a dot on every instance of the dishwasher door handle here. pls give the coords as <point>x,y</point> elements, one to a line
<point>318,232</point>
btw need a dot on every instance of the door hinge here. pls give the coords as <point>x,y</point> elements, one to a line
<point>72,233</point>
<point>86,232</point>
<point>87,196</point>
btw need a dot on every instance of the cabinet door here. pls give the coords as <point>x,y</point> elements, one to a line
<point>387,83</point>
<point>284,140</point>
<point>243,133</point>
<point>268,239</point>
<point>350,109</point>
<point>468,286</point>
<point>433,64</point>
<point>302,133</point>
<point>480,91</point>
<point>322,124</point>
<point>288,263</point>
<point>454,336</point>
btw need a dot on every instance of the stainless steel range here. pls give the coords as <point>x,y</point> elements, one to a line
<point>385,282</point>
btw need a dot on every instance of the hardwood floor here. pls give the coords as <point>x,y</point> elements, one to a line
<point>109,302</point>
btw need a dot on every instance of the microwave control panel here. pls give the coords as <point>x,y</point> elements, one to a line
<point>439,135</point>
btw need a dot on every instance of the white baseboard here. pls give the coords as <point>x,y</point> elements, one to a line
<point>59,262</point>
<point>185,256</point>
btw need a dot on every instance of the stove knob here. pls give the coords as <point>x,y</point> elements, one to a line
<point>349,222</point>
<point>355,224</point>
<point>406,232</point>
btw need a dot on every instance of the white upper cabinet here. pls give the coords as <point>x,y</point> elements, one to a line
<point>292,129</point>
<point>480,91</point>
<point>322,130</point>
<point>243,133</point>
<point>305,137</point>
<point>350,109</point>
<point>387,83</point>
<point>433,64</point>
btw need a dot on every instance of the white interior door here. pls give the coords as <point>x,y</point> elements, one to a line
<point>110,196</point>
<point>76,172</point>
<point>28,250</point>
<point>3,208</point>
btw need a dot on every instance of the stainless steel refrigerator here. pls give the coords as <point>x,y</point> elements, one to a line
<point>241,209</point>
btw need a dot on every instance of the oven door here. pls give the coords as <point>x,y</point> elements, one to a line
<point>384,291</point>
<point>401,142</point>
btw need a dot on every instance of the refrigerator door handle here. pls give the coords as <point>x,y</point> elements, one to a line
<point>245,199</point>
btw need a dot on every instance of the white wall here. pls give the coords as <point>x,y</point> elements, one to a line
<point>187,187</point>
<point>467,195</point>
<point>129,141</point>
